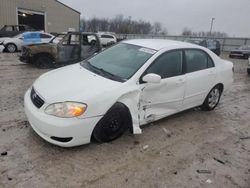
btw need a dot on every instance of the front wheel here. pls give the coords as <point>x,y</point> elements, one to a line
<point>114,123</point>
<point>43,62</point>
<point>11,48</point>
<point>212,99</point>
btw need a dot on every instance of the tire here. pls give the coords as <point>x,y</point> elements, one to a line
<point>114,123</point>
<point>44,62</point>
<point>11,48</point>
<point>248,71</point>
<point>246,56</point>
<point>212,99</point>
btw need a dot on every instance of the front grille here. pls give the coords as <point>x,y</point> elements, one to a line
<point>36,100</point>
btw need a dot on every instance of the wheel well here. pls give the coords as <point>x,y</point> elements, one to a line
<point>127,113</point>
<point>221,86</point>
<point>10,43</point>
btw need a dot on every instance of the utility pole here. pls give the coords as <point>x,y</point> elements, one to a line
<point>211,27</point>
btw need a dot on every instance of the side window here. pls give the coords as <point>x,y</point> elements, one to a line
<point>65,40</point>
<point>44,36</point>
<point>197,60</point>
<point>107,36</point>
<point>21,28</point>
<point>75,39</point>
<point>86,40</point>
<point>167,65</point>
<point>210,63</point>
<point>8,28</point>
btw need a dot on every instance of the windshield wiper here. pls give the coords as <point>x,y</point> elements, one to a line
<point>102,72</point>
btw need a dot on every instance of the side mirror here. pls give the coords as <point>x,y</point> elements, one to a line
<point>152,78</point>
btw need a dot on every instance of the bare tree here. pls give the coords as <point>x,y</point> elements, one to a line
<point>121,24</point>
<point>157,27</point>
<point>186,32</point>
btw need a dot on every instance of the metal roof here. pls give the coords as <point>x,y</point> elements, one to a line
<point>68,6</point>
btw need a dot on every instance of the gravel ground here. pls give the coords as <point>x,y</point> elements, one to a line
<point>167,154</point>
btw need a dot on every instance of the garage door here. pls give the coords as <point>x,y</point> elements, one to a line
<point>31,18</point>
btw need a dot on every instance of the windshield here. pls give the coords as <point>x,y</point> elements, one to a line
<point>121,61</point>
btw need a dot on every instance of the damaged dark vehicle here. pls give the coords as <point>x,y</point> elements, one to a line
<point>62,50</point>
<point>13,30</point>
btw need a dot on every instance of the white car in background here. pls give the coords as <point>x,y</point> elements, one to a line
<point>14,44</point>
<point>107,39</point>
<point>124,87</point>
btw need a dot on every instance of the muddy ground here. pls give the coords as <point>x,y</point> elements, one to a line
<point>167,154</point>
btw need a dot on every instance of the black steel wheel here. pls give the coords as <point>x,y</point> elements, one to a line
<point>114,123</point>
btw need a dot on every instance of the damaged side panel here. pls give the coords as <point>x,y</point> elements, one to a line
<point>131,100</point>
<point>161,100</point>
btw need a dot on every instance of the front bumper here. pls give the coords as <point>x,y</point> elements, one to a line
<point>25,59</point>
<point>47,126</point>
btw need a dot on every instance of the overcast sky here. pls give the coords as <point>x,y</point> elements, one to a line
<point>231,16</point>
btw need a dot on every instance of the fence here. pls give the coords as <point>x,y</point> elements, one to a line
<point>227,44</point>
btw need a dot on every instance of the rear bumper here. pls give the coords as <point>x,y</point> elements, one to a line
<point>47,126</point>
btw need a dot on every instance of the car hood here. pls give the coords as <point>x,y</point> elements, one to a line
<point>72,83</point>
<point>2,39</point>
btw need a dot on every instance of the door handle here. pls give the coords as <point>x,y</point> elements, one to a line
<point>211,72</point>
<point>180,81</point>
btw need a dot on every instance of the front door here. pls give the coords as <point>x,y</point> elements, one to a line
<point>164,98</point>
<point>69,49</point>
<point>90,45</point>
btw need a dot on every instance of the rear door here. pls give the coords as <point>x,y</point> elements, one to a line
<point>69,49</point>
<point>200,77</point>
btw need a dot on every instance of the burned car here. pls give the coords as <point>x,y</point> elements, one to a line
<point>242,52</point>
<point>62,50</point>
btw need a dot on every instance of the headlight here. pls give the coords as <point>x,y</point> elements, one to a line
<point>66,109</point>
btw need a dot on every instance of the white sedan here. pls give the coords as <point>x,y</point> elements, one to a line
<point>107,39</point>
<point>14,44</point>
<point>124,87</point>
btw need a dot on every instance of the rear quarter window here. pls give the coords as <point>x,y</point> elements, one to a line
<point>197,60</point>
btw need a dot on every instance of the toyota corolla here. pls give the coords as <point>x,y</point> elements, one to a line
<point>124,87</point>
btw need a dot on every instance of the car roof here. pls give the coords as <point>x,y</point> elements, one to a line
<point>158,44</point>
